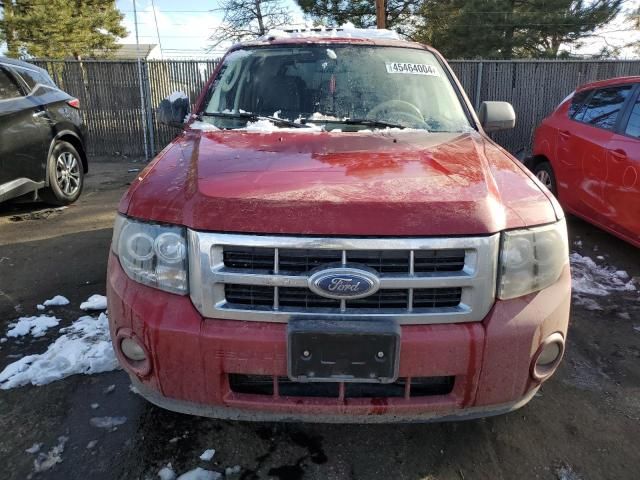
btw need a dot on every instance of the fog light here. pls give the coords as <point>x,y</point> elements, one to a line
<point>132,350</point>
<point>547,357</point>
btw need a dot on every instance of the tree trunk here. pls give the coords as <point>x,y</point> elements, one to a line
<point>259,17</point>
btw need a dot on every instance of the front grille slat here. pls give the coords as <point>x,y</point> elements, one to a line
<point>301,261</point>
<point>254,295</point>
<point>263,385</point>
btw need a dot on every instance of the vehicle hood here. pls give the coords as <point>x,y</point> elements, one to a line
<point>319,183</point>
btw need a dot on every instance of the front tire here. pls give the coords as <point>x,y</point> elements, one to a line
<point>544,172</point>
<point>66,175</point>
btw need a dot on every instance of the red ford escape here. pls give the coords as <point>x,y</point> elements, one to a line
<point>334,238</point>
<point>587,152</point>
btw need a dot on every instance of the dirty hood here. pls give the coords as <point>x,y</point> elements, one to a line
<point>387,183</point>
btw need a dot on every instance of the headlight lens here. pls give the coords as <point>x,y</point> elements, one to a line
<point>532,259</point>
<point>155,255</point>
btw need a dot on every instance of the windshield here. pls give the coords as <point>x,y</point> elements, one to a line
<point>343,87</point>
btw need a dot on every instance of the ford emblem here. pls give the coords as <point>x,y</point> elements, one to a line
<point>344,283</point>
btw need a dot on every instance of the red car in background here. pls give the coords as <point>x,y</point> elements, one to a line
<point>587,152</point>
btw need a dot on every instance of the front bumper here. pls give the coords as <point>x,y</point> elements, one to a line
<point>191,359</point>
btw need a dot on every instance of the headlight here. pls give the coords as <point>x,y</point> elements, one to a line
<point>532,259</point>
<point>155,255</point>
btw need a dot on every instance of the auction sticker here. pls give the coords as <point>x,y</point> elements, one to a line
<point>412,68</point>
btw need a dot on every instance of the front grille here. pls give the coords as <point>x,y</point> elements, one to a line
<point>255,295</point>
<point>413,387</point>
<point>266,278</point>
<point>262,260</point>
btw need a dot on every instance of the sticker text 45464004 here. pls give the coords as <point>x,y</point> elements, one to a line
<point>412,68</point>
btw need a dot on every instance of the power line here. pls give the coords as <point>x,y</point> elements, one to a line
<point>155,19</point>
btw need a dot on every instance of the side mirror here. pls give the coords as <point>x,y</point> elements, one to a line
<point>496,116</point>
<point>173,109</point>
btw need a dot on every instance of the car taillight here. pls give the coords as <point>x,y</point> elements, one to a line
<point>75,103</point>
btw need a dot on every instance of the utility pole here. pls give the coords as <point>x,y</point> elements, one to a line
<point>381,13</point>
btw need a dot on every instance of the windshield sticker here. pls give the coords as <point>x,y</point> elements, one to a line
<point>412,68</point>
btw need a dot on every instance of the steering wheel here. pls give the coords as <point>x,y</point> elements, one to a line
<point>404,109</point>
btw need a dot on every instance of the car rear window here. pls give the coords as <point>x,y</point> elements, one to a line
<point>8,86</point>
<point>34,77</point>
<point>605,106</point>
<point>577,102</point>
<point>633,127</point>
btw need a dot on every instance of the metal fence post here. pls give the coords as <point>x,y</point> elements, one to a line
<point>149,109</point>
<point>478,86</point>
<point>142,110</point>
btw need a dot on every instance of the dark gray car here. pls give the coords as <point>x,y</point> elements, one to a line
<point>41,136</point>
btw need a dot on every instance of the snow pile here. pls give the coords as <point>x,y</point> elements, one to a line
<point>56,301</point>
<point>35,326</point>
<point>45,461</point>
<point>94,302</point>
<point>207,455</point>
<point>588,278</point>
<point>204,126</point>
<point>267,126</point>
<point>107,422</point>
<point>200,474</point>
<point>347,30</point>
<point>84,347</point>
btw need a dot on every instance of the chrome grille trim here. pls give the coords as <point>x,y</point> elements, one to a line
<point>208,276</point>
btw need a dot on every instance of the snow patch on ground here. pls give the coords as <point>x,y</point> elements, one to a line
<point>229,471</point>
<point>200,474</point>
<point>85,347</point>
<point>107,422</point>
<point>207,455</point>
<point>35,448</point>
<point>94,302</point>
<point>565,472</point>
<point>590,278</point>
<point>167,473</point>
<point>34,326</point>
<point>56,301</point>
<point>45,461</point>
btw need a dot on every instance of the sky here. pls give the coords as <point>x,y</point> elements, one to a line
<point>185,26</point>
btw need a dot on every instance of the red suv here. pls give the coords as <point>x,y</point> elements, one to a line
<point>334,238</point>
<point>587,152</point>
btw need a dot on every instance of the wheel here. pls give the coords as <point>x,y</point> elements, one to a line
<point>66,175</point>
<point>544,172</point>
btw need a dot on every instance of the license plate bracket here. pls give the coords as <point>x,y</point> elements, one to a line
<point>343,350</point>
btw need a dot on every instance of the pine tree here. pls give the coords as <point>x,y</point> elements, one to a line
<point>61,29</point>
<point>362,13</point>
<point>479,28</point>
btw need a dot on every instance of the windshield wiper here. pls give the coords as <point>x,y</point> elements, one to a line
<point>371,123</point>
<point>253,117</point>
